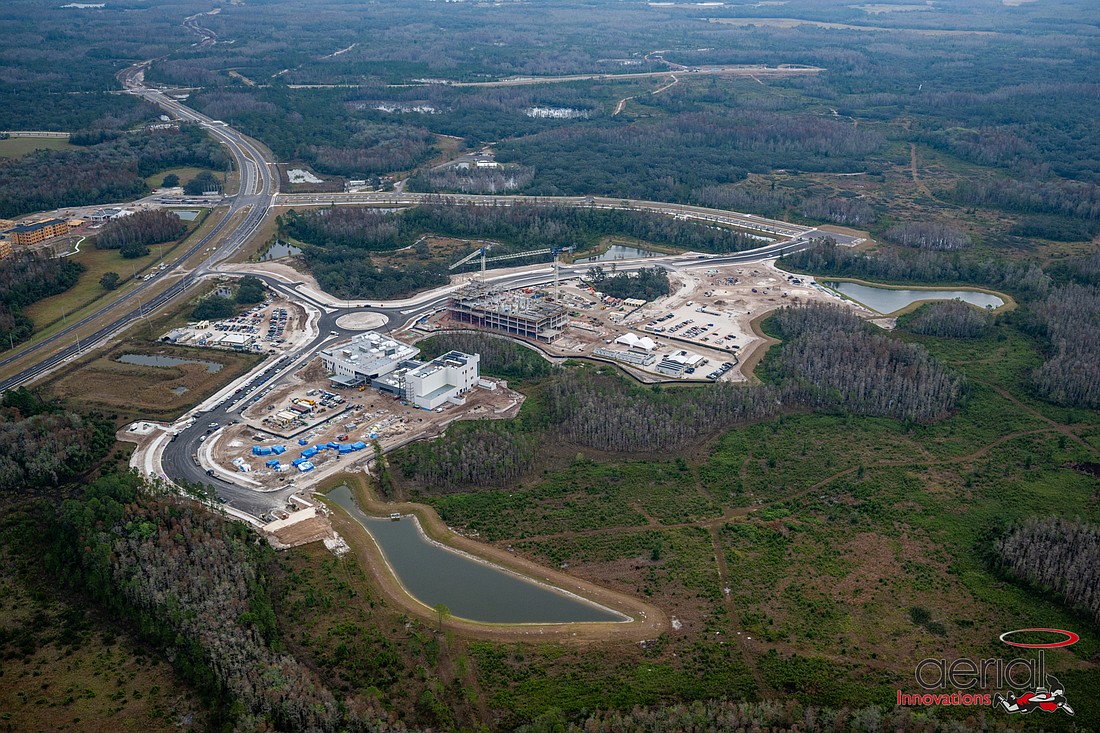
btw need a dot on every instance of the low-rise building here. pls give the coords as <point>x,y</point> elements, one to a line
<point>444,379</point>
<point>368,356</point>
<point>5,247</point>
<point>39,231</point>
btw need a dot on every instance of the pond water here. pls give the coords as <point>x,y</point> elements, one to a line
<point>280,249</point>
<point>179,390</point>
<point>471,589</point>
<point>186,214</point>
<point>157,360</point>
<point>621,252</point>
<point>888,300</point>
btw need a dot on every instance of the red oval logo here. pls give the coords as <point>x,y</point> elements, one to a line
<point>1071,638</point>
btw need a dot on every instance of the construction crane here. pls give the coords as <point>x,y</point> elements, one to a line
<point>483,251</point>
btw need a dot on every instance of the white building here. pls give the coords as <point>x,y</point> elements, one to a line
<point>645,343</point>
<point>367,356</point>
<point>444,379</point>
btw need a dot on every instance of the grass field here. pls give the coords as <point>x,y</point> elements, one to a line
<point>17,147</point>
<point>98,262</point>
<point>814,556</point>
<point>133,391</point>
<point>185,174</point>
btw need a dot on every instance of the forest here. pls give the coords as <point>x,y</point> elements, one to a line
<point>1069,319</point>
<point>919,267</point>
<point>648,283</point>
<point>44,446</point>
<point>133,234</point>
<point>109,171</point>
<point>1062,555</point>
<point>24,279</point>
<point>335,241</point>
<point>948,319</point>
<point>829,360</point>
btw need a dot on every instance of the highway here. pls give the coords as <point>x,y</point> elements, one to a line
<point>246,212</point>
<point>257,190</point>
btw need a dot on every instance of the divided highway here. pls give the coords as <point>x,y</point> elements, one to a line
<point>247,210</point>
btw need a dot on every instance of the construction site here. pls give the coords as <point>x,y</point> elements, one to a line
<point>701,330</point>
<point>301,432</point>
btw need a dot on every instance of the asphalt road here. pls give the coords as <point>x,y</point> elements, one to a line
<point>257,195</point>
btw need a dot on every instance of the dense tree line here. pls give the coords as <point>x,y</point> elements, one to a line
<point>1084,269</point>
<point>473,180</point>
<point>1056,228</point>
<point>500,357</point>
<point>1056,554</point>
<point>110,171</point>
<point>606,413</point>
<point>948,320</point>
<point>1075,199</point>
<point>1070,319</point>
<point>350,273</point>
<point>831,359</point>
<point>45,446</point>
<point>250,290</point>
<point>763,202</point>
<point>927,235</point>
<point>213,308</point>
<point>849,212</point>
<point>666,160</point>
<point>484,453</point>
<point>203,182</point>
<point>25,279</point>
<point>133,234</point>
<point>523,226</point>
<point>648,283</point>
<point>196,586</point>
<point>825,257</point>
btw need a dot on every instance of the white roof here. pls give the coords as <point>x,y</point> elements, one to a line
<point>235,338</point>
<point>632,340</point>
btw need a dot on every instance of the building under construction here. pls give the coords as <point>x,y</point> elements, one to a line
<point>490,307</point>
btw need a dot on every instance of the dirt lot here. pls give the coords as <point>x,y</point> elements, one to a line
<point>705,323</point>
<point>345,416</point>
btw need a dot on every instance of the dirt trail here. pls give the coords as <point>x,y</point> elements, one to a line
<point>622,102</point>
<point>913,171</point>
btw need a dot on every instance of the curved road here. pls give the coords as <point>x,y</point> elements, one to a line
<point>248,209</point>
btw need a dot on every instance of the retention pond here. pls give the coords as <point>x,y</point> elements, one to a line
<point>157,360</point>
<point>887,300</point>
<point>470,589</point>
<point>620,252</point>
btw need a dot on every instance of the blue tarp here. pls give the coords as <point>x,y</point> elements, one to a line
<point>309,453</point>
<point>320,447</point>
<point>358,445</point>
<point>299,461</point>
<point>303,441</point>
<point>278,449</point>
<point>272,462</point>
<point>334,445</point>
<point>307,466</point>
<point>345,449</point>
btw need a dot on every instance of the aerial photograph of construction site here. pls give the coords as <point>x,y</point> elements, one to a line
<point>555,367</point>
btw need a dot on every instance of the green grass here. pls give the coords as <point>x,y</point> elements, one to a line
<point>185,173</point>
<point>17,147</point>
<point>88,290</point>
